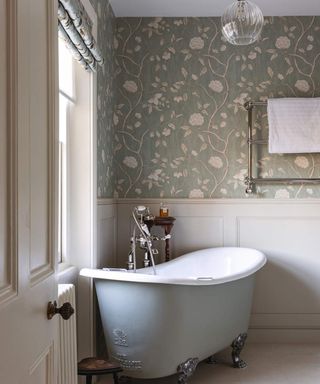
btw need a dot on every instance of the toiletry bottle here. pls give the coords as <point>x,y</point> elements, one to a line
<point>164,210</point>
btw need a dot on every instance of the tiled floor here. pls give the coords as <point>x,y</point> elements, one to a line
<point>267,364</point>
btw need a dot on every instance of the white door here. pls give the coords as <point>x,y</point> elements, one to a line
<point>28,142</point>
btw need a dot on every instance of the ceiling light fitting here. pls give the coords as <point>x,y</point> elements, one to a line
<point>242,23</point>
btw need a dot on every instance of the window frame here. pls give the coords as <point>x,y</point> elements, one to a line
<point>70,101</point>
<point>68,270</point>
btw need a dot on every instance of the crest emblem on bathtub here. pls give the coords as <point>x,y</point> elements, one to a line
<point>120,337</point>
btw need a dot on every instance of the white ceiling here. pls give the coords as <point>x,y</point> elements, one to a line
<point>178,8</point>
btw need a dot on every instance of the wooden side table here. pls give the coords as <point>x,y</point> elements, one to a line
<point>166,223</point>
<point>93,366</point>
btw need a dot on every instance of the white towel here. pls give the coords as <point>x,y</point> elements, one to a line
<point>294,125</point>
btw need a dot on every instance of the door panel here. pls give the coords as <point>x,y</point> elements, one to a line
<point>3,155</point>
<point>28,147</point>
<point>8,271</point>
<point>42,370</point>
<point>41,261</point>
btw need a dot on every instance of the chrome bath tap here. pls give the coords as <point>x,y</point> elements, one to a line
<point>144,239</point>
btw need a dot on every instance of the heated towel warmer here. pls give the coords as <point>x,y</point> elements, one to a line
<point>251,181</point>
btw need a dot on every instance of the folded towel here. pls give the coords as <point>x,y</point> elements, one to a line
<point>294,125</point>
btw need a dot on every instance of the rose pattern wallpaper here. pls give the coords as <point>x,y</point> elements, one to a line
<point>180,129</point>
<point>105,99</point>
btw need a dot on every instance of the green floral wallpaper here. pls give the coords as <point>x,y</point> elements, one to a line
<point>180,128</point>
<point>105,100</point>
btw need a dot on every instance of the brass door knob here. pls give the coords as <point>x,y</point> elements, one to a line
<point>66,310</point>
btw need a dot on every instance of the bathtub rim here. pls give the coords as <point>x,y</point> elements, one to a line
<point>130,276</point>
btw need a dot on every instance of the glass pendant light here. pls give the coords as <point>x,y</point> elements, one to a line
<point>242,23</point>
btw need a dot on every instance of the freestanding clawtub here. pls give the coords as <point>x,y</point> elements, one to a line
<point>196,305</point>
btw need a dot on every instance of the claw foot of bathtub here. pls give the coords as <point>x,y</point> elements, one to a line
<point>211,360</point>
<point>186,369</point>
<point>237,346</point>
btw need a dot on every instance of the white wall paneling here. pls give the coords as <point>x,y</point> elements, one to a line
<point>292,246</point>
<point>287,292</point>
<point>106,233</point>
<point>210,235</point>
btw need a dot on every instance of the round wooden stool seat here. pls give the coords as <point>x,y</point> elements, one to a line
<point>93,366</point>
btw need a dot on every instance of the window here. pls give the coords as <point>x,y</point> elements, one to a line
<point>78,201</point>
<point>77,162</point>
<point>66,102</point>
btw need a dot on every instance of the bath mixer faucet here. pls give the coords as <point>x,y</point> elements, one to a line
<point>144,239</point>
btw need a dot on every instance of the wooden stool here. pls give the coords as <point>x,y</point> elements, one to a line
<point>93,366</point>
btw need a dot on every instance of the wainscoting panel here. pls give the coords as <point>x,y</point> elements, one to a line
<point>292,245</point>
<point>287,292</point>
<point>106,233</point>
<point>209,234</point>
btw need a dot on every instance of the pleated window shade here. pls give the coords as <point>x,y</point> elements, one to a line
<point>75,28</point>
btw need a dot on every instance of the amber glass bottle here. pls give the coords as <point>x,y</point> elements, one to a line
<point>164,210</point>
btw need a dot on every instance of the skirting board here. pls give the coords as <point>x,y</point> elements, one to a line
<point>285,336</point>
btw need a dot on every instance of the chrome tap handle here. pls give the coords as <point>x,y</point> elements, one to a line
<point>140,209</point>
<point>139,214</point>
<point>148,215</point>
<point>161,238</point>
<point>142,241</point>
<point>130,262</point>
<point>146,260</point>
<point>145,229</point>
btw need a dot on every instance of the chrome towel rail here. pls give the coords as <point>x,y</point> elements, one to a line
<point>251,181</point>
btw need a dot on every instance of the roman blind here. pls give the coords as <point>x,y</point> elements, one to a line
<point>75,28</point>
